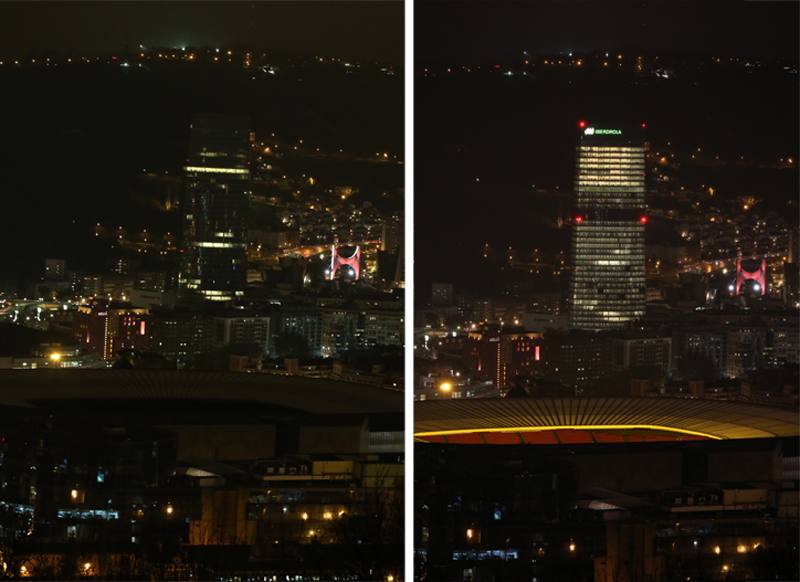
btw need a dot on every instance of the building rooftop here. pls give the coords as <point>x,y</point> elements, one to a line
<point>596,420</point>
<point>44,388</point>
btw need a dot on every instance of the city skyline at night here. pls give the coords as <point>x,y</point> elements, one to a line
<point>361,30</point>
<point>606,203</point>
<point>400,290</point>
<point>213,405</point>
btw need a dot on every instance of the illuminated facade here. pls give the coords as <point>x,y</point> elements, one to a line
<point>108,329</point>
<point>607,287</point>
<point>216,184</point>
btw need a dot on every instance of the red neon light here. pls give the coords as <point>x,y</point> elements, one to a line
<point>759,276</point>
<point>353,261</point>
<point>581,124</point>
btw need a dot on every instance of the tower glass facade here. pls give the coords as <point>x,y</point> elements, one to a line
<point>216,198</point>
<point>607,287</point>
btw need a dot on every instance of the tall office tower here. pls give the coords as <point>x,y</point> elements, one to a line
<point>215,202</point>
<point>607,288</point>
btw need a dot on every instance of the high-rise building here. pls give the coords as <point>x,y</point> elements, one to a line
<point>216,184</point>
<point>392,233</point>
<point>55,269</point>
<point>607,287</point>
<point>107,328</point>
<point>442,293</point>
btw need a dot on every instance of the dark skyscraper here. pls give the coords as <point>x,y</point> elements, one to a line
<point>607,288</point>
<point>216,184</point>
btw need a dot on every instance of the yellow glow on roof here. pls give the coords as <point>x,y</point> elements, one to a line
<point>515,429</point>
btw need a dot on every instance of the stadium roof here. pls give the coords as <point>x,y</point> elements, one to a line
<point>311,396</point>
<point>596,420</point>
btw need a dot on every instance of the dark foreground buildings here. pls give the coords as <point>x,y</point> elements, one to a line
<point>605,489</point>
<point>123,474</point>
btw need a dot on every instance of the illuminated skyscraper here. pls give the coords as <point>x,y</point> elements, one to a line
<point>216,184</point>
<point>607,288</point>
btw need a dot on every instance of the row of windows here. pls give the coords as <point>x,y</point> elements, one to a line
<point>612,283</point>
<point>610,201</point>
<point>604,228</point>
<point>598,269</point>
<point>628,301</point>
<point>591,276</point>
<point>583,183</point>
<point>611,173</point>
<point>596,170</point>
<point>587,239</point>
<point>597,246</point>
<point>632,156</point>
<point>606,158</point>
<point>609,177</point>
<point>600,250</point>
<point>583,148</point>
<point>609,162</point>
<point>584,259</point>
<point>607,199</point>
<point>615,160</point>
<point>628,296</point>
<point>601,281</point>
<point>640,189</point>
<point>586,203</point>
<point>629,308</point>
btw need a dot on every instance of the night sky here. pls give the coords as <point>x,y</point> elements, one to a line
<point>370,30</point>
<point>485,30</point>
<point>125,120</point>
<point>484,141</point>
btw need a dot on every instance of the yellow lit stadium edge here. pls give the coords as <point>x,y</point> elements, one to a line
<point>575,421</point>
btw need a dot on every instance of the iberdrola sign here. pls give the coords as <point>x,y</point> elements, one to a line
<point>601,131</point>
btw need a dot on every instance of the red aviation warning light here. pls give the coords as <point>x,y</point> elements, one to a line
<point>644,125</point>
<point>578,219</point>
<point>582,124</point>
<point>643,219</point>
